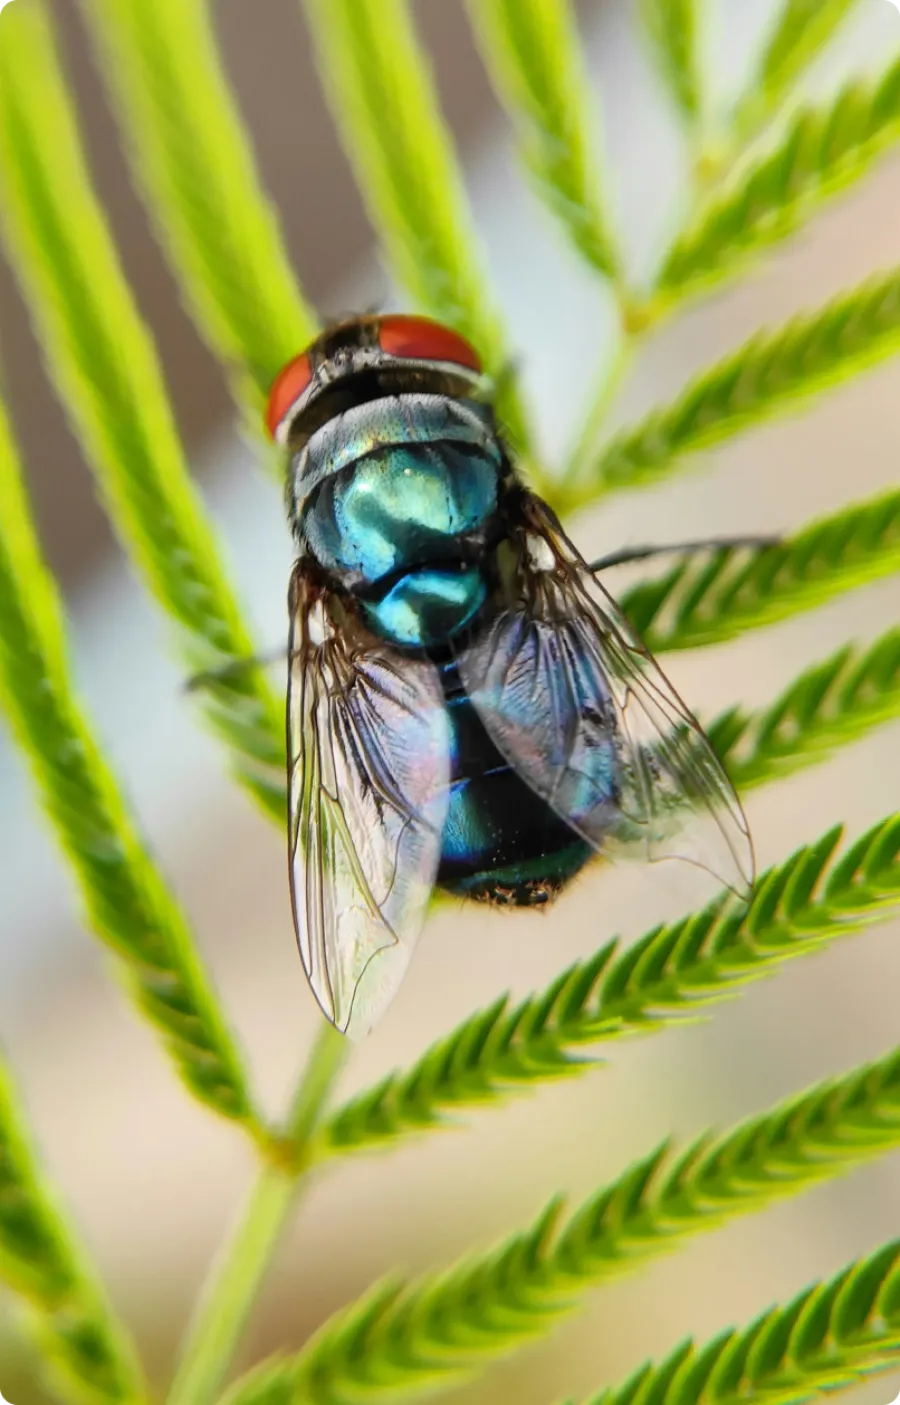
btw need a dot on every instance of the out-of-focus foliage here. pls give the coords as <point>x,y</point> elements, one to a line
<point>801,31</point>
<point>531,49</point>
<point>383,100</point>
<point>823,149</point>
<point>194,160</point>
<point>39,1259</point>
<point>107,373</point>
<point>672,27</point>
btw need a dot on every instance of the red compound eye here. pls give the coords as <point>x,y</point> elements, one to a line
<point>287,388</point>
<point>423,340</point>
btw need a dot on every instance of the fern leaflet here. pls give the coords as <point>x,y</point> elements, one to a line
<point>831,703</point>
<point>384,104</point>
<point>708,598</point>
<point>667,975</point>
<point>106,370</point>
<point>192,161</point>
<point>531,50</point>
<point>767,376</point>
<point>86,1349</point>
<point>822,151</point>
<point>829,1336</point>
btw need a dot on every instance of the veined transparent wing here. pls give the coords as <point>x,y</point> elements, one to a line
<point>368,775</point>
<point>575,702</point>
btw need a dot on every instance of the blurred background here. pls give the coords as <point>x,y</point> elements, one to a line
<point>153,1181</point>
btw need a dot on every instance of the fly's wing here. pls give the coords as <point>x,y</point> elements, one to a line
<point>576,704</point>
<point>368,775</point>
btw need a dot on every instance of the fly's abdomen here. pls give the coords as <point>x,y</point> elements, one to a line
<point>400,528</point>
<point>501,842</point>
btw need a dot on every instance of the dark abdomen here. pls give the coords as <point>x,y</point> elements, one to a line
<point>501,842</point>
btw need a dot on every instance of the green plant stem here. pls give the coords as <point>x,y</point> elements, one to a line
<point>236,1279</point>
<point>609,383</point>
<point>238,1273</point>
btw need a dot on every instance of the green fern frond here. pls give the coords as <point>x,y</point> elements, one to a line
<point>195,167</point>
<point>531,50</point>
<point>40,1262</point>
<point>419,1339</point>
<point>766,377</point>
<point>829,1336</point>
<point>802,29</point>
<point>823,151</point>
<point>672,26</point>
<point>193,163</point>
<point>831,703</point>
<point>105,367</point>
<point>713,597</point>
<point>125,897</point>
<point>384,104</point>
<point>665,976</point>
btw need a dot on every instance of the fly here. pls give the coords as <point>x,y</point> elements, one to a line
<point>468,708</point>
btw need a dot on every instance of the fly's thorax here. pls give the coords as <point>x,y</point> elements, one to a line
<point>397,501</point>
<point>387,421</point>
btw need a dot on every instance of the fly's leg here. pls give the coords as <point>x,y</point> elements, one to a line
<point>235,668</point>
<point>643,553</point>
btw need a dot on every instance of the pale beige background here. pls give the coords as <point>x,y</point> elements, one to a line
<point>152,1179</point>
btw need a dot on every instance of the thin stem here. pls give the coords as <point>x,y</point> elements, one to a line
<point>239,1269</point>
<point>236,1277</point>
<point>712,165</point>
<point>715,155</point>
<point>584,450</point>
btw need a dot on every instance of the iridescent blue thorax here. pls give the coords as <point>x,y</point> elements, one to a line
<point>395,500</point>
